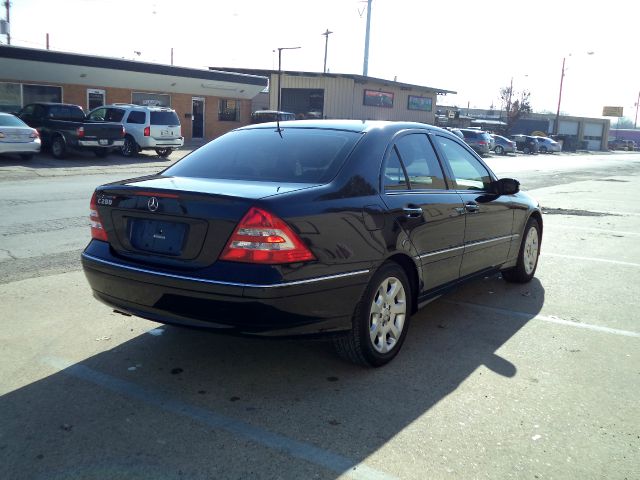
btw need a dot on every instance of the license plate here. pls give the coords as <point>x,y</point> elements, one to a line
<point>103,141</point>
<point>166,133</point>
<point>156,236</point>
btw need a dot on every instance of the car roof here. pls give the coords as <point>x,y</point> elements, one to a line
<point>133,105</point>
<point>361,126</point>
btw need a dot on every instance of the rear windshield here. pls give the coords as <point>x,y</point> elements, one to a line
<point>11,121</point>
<point>301,155</point>
<point>164,118</point>
<point>66,112</point>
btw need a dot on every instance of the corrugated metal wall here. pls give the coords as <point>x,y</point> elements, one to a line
<point>343,98</point>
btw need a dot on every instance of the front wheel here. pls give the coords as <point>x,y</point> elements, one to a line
<point>380,320</point>
<point>526,150</point>
<point>528,256</point>
<point>164,152</point>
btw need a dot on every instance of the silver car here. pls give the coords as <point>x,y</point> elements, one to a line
<point>548,145</point>
<point>148,128</point>
<point>18,137</point>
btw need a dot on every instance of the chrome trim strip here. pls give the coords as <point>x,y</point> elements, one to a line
<point>426,255</point>
<point>439,252</point>
<point>229,284</point>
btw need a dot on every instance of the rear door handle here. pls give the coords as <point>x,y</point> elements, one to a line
<point>472,207</point>
<point>412,212</point>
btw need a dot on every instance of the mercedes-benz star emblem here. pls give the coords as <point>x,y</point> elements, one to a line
<point>152,204</point>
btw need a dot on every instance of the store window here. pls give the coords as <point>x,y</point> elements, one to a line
<point>41,93</point>
<point>229,111</point>
<point>10,97</point>
<point>151,99</point>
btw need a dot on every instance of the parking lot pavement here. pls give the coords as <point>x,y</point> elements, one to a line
<point>495,380</point>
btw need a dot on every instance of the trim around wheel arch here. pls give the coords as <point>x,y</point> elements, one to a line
<point>411,269</point>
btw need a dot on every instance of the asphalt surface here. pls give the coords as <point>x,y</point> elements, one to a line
<point>494,381</point>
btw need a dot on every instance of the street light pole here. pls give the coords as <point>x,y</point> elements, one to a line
<point>556,124</point>
<point>280,71</point>
<point>326,45</point>
<point>635,123</point>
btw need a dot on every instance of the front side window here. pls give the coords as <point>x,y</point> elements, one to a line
<point>229,111</point>
<point>468,172</point>
<point>420,162</point>
<point>98,115</point>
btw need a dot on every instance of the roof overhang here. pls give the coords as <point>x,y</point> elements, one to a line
<point>42,66</point>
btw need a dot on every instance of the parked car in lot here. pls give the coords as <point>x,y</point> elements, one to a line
<point>147,128</point>
<point>503,145</point>
<point>263,116</point>
<point>17,137</point>
<point>526,143</point>
<point>63,127</point>
<point>342,228</point>
<point>547,145</point>
<point>479,140</point>
<point>621,144</point>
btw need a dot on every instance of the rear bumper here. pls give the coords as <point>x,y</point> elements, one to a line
<point>19,147</point>
<point>150,143</point>
<point>97,144</point>
<point>311,306</point>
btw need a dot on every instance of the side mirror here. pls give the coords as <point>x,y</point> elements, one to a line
<point>506,186</point>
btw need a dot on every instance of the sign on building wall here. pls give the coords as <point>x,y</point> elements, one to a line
<point>612,111</point>
<point>375,98</point>
<point>151,99</point>
<point>424,104</point>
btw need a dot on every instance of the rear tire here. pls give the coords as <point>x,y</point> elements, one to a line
<point>58,147</point>
<point>543,150</point>
<point>164,152</point>
<point>499,150</point>
<point>130,147</point>
<point>526,150</point>
<point>528,256</point>
<point>380,321</point>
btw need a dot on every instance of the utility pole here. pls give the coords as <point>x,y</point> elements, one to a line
<point>326,44</point>
<point>365,67</point>
<point>280,71</point>
<point>556,125</point>
<point>7,4</point>
<point>635,123</point>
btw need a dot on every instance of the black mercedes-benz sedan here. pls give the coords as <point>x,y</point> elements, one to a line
<point>340,228</point>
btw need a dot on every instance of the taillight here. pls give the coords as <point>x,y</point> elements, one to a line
<point>97,229</point>
<point>147,131</point>
<point>122,131</point>
<point>261,237</point>
<point>482,142</point>
<point>80,132</point>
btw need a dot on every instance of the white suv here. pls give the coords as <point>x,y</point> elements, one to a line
<point>147,128</point>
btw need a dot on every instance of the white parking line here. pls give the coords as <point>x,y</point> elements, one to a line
<point>545,318</point>
<point>591,229</point>
<point>323,458</point>
<point>591,259</point>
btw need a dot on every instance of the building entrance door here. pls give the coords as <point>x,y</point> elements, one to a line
<point>197,122</point>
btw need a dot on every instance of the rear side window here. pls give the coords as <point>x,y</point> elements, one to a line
<point>137,117</point>
<point>301,155</point>
<point>420,162</point>
<point>114,115</point>
<point>394,177</point>
<point>164,118</point>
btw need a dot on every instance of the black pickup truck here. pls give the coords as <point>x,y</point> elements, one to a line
<point>64,126</point>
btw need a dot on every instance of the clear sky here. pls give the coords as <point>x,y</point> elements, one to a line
<point>472,47</point>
